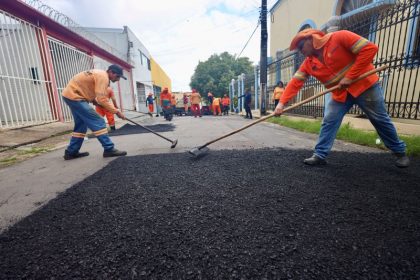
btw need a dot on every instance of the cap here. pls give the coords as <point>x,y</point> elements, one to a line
<point>117,70</point>
<point>319,38</point>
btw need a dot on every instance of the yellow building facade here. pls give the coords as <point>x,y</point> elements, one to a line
<point>159,77</point>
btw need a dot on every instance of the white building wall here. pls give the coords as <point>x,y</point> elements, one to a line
<point>139,56</point>
<point>125,41</point>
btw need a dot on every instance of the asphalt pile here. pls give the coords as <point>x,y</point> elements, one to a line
<point>249,214</point>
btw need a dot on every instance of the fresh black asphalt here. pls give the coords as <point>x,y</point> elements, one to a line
<point>233,214</point>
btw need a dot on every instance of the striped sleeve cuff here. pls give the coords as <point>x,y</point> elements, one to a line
<point>300,76</point>
<point>359,45</point>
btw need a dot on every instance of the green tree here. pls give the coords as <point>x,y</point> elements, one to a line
<point>215,73</point>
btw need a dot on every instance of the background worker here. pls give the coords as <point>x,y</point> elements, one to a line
<point>149,103</point>
<point>210,98</point>
<point>247,103</point>
<point>195,100</point>
<point>337,59</point>
<point>185,100</point>
<point>91,86</point>
<point>165,103</point>
<point>103,112</point>
<point>225,104</point>
<point>278,91</point>
<point>216,106</point>
<point>173,102</point>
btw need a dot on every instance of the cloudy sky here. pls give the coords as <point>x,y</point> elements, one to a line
<point>178,34</point>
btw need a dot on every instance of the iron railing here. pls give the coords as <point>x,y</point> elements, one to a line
<point>396,31</point>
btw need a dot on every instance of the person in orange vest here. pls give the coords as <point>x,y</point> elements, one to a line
<point>195,103</point>
<point>278,91</point>
<point>165,103</point>
<point>149,103</point>
<point>225,104</point>
<point>104,112</point>
<point>216,106</point>
<point>338,58</point>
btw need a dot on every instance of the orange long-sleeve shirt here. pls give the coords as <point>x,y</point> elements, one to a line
<point>165,98</point>
<point>278,91</point>
<point>225,101</point>
<point>346,54</point>
<point>90,85</point>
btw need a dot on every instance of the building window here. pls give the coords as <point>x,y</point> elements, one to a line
<point>148,65</point>
<point>141,57</point>
<point>144,59</point>
<point>34,75</point>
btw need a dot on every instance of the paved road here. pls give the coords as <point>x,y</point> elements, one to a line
<point>27,186</point>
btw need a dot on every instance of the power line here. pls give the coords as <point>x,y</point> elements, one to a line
<point>248,40</point>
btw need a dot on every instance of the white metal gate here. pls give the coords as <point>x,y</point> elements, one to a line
<point>67,62</point>
<point>26,96</point>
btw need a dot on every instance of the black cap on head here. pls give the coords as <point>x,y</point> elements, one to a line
<point>117,70</point>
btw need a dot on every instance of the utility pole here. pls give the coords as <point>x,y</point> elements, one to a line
<point>263,58</point>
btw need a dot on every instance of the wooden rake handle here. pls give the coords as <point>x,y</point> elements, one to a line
<point>371,72</point>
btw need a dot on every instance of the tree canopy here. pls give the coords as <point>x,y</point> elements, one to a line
<point>216,73</point>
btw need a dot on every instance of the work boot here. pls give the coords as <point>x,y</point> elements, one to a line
<point>315,160</point>
<point>68,156</point>
<point>114,153</point>
<point>402,160</point>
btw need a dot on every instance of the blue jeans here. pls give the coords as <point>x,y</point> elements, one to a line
<point>85,117</point>
<point>372,103</point>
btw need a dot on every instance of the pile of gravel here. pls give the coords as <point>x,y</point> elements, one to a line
<point>250,214</point>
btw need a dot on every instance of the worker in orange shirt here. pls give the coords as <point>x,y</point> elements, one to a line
<point>165,103</point>
<point>216,106</point>
<point>91,87</point>
<point>195,100</point>
<point>104,112</point>
<point>278,91</point>
<point>225,104</point>
<point>338,58</point>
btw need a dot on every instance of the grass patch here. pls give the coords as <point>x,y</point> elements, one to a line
<point>349,134</point>
<point>33,151</point>
<point>8,160</point>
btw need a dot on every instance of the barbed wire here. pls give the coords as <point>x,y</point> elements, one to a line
<point>73,26</point>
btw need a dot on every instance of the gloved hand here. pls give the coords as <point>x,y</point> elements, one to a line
<point>279,109</point>
<point>120,115</point>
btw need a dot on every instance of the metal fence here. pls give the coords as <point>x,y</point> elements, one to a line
<point>34,70</point>
<point>396,31</point>
<point>26,97</point>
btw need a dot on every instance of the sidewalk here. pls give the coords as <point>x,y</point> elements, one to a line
<point>406,127</point>
<point>20,144</point>
<point>14,138</point>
